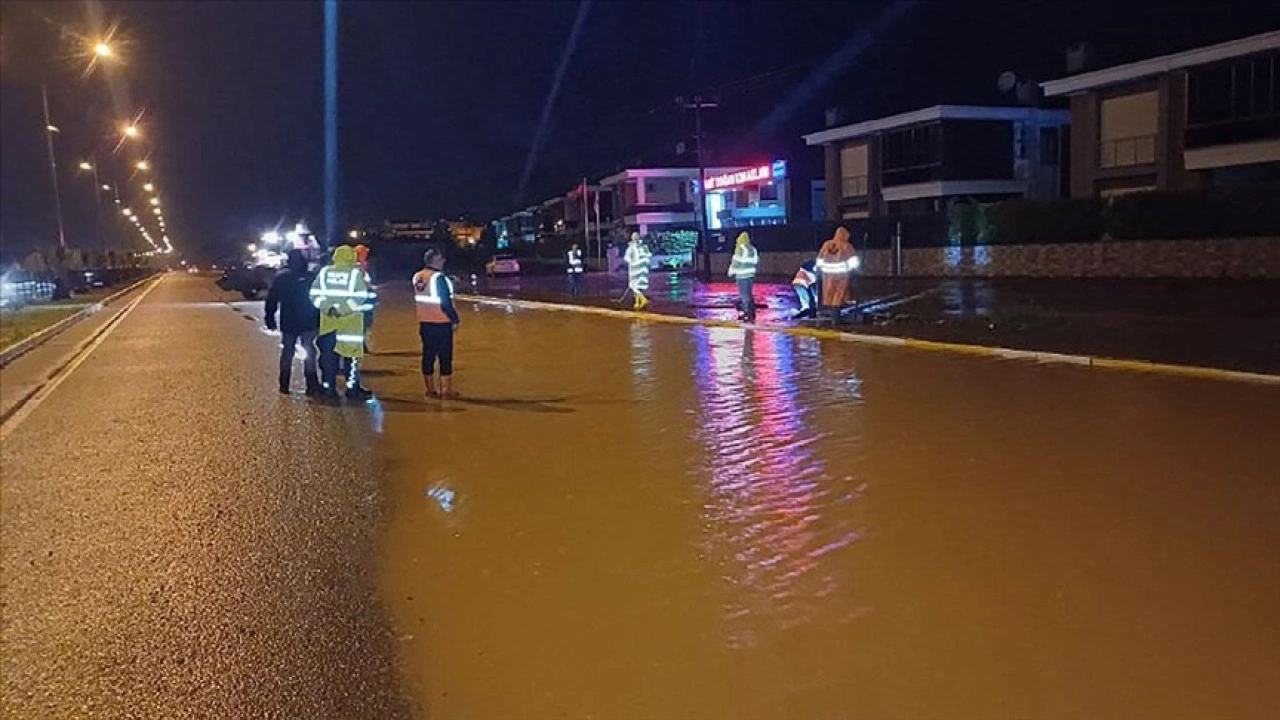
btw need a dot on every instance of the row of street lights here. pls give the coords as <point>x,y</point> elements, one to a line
<point>129,131</point>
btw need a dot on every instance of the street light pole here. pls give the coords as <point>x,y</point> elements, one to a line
<point>701,211</point>
<point>49,130</point>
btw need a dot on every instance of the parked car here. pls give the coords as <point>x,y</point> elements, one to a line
<point>502,265</point>
<point>248,281</point>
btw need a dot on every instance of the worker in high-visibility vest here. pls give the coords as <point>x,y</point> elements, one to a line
<point>805,283</point>
<point>342,297</point>
<point>575,269</point>
<point>437,321</point>
<point>836,261</point>
<point>637,258</point>
<point>743,269</point>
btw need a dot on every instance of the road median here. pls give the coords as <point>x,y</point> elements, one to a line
<point>35,339</point>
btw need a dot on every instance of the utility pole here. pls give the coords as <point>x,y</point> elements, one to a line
<point>103,226</point>
<point>49,130</point>
<point>697,105</point>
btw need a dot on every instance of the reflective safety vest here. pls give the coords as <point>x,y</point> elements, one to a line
<point>341,296</point>
<point>743,265</point>
<point>804,277</point>
<point>637,258</point>
<point>428,296</point>
<point>838,266</point>
<point>575,262</point>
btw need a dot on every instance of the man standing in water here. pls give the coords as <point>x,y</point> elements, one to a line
<point>575,269</point>
<point>743,269</point>
<point>437,321</point>
<point>637,258</point>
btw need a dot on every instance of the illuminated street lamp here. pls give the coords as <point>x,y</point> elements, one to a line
<point>155,210</point>
<point>85,166</point>
<point>149,187</point>
<point>131,131</point>
<point>143,165</point>
<point>127,212</point>
<point>103,50</point>
<point>155,201</point>
<point>106,186</point>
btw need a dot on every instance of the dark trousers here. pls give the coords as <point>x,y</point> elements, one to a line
<point>329,360</point>
<point>745,287</point>
<point>437,342</point>
<point>288,345</point>
<point>575,284</point>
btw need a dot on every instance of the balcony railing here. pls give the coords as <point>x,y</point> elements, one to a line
<point>686,207</point>
<point>1123,152</point>
<point>853,186</point>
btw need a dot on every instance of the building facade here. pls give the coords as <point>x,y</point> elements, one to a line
<point>649,200</point>
<point>1208,116</point>
<point>914,163</point>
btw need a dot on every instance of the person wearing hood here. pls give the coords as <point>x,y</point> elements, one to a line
<point>299,321</point>
<point>342,297</point>
<point>743,269</point>
<point>836,261</point>
<point>806,285</point>
<point>637,258</point>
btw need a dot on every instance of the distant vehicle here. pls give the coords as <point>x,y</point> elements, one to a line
<point>502,265</point>
<point>249,281</point>
<point>192,269</point>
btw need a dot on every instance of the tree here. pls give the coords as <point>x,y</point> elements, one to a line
<point>35,263</point>
<point>440,233</point>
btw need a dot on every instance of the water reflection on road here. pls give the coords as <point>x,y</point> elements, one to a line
<point>727,523</point>
<point>766,489</point>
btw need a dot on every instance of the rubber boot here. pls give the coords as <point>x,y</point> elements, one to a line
<point>446,387</point>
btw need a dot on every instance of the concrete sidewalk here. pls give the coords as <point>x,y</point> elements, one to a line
<point>1229,324</point>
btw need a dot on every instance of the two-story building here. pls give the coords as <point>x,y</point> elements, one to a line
<point>648,200</point>
<point>914,163</point>
<point>1206,116</point>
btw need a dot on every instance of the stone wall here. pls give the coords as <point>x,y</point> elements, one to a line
<point>1220,258</point>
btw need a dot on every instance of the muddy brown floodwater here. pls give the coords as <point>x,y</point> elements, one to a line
<point>635,520</point>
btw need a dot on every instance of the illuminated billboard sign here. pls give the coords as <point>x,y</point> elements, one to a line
<point>762,173</point>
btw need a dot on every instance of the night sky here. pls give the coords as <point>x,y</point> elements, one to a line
<point>440,102</point>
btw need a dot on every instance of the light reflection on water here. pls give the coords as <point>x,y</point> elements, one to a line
<point>767,518</point>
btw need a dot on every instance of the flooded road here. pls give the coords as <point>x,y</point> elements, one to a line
<point>641,520</point>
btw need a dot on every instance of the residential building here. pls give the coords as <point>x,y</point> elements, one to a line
<point>465,232</point>
<point>648,200</point>
<point>1202,117</point>
<point>408,229</point>
<point>915,162</point>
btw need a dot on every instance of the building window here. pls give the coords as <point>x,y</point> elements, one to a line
<point>1050,146</point>
<point>853,170</point>
<point>912,154</point>
<point>768,192</point>
<point>1127,131</point>
<point>1234,101</point>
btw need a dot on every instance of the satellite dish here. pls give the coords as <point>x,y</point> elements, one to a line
<point>1008,80</point>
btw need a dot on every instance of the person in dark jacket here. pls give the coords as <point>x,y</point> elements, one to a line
<point>299,320</point>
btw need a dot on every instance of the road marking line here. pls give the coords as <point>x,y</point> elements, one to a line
<point>45,390</point>
<point>1036,356</point>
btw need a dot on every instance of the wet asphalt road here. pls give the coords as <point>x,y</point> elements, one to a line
<point>178,542</point>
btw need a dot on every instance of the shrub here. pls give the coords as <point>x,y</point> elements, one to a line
<point>1250,211</point>
<point>1026,222</point>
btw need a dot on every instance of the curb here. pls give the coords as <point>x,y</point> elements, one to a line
<point>1090,361</point>
<point>35,340</point>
